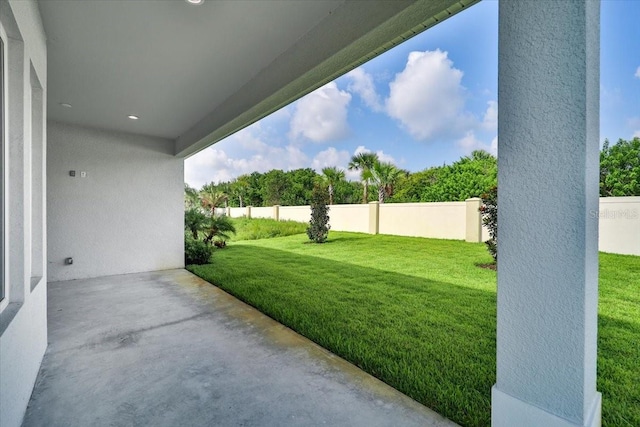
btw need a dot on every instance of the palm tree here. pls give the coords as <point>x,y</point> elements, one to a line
<point>195,221</point>
<point>364,162</point>
<point>384,176</point>
<point>332,176</point>
<point>219,226</point>
<point>211,197</point>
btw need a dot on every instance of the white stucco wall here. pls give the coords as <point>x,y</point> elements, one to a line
<point>619,223</point>
<point>435,220</point>
<point>23,311</point>
<point>125,216</point>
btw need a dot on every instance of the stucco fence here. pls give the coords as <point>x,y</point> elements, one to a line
<point>619,219</point>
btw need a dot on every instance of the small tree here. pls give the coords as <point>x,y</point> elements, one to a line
<point>489,211</point>
<point>318,229</point>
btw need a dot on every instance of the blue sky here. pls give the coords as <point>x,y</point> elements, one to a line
<point>424,103</point>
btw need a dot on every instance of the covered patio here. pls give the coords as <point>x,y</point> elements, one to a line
<point>101,103</point>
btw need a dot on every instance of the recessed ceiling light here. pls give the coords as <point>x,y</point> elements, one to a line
<point>65,105</point>
<point>132,117</point>
<point>196,2</point>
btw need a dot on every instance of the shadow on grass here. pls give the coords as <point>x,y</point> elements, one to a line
<point>432,340</point>
<point>352,237</point>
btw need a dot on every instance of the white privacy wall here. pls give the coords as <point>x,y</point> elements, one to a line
<point>125,216</point>
<point>295,213</point>
<point>619,219</point>
<point>23,311</point>
<point>262,212</point>
<point>434,220</point>
<point>349,218</point>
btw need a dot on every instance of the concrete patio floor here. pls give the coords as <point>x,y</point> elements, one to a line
<point>169,349</point>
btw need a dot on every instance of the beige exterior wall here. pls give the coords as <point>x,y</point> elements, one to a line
<point>619,219</point>
<point>237,212</point>
<point>435,220</point>
<point>349,218</point>
<point>295,213</point>
<point>262,212</point>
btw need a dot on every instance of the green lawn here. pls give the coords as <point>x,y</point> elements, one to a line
<point>419,314</point>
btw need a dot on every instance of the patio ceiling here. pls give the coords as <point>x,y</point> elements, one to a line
<point>196,74</point>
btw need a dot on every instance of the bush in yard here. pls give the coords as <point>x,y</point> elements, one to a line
<point>489,211</point>
<point>196,251</point>
<point>318,229</point>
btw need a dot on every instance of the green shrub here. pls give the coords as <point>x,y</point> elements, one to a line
<point>196,251</point>
<point>318,229</point>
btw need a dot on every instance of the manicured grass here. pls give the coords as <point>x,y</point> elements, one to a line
<point>263,228</point>
<point>419,314</point>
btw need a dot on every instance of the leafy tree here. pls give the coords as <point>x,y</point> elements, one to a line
<point>300,187</point>
<point>471,176</point>
<point>239,188</point>
<point>331,177</point>
<point>364,162</point>
<point>254,191</point>
<point>191,197</point>
<point>275,184</point>
<point>620,168</point>
<point>318,229</point>
<point>385,175</point>
<point>349,192</point>
<point>410,188</point>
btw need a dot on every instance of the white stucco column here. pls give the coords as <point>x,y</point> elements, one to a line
<point>374,217</point>
<point>548,98</point>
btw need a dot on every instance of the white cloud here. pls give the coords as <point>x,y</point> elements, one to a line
<point>638,73</point>
<point>214,164</point>
<point>470,143</point>
<point>636,134</point>
<point>384,157</point>
<point>330,157</point>
<point>248,140</point>
<point>494,146</point>
<point>490,119</point>
<point>321,115</point>
<point>427,97</point>
<point>362,84</point>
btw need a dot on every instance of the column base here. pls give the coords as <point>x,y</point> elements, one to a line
<point>508,411</point>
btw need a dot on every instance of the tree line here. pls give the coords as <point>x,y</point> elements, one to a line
<point>470,176</point>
